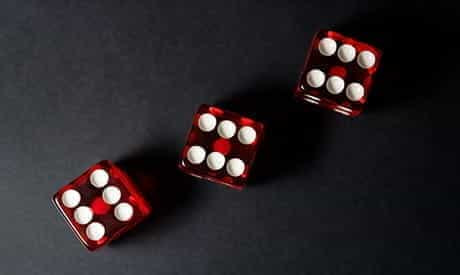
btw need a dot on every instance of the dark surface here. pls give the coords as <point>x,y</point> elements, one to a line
<point>82,81</point>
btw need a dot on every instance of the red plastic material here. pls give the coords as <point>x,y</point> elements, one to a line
<point>230,148</point>
<point>332,65</point>
<point>103,212</point>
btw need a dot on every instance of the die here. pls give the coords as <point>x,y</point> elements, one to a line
<point>101,205</point>
<point>338,73</point>
<point>221,146</point>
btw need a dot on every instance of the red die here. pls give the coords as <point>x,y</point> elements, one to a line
<point>101,204</point>
<point>338,73</point>
<point>221,146</point>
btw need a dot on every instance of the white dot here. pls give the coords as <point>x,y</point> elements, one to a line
<point>215,161</point>
<point>335,85</point>
<point>235,167</point>
<point>70,198</point>
<point>226,129</point>
<point>99,178</point>
<point>111,195</point>
<point>207,122</point>
<point>355,91</point>
<point>95,231</point>
<point>315,78</point>
<point>327,46</point>
<point>83,215</point>
<point>123,212</point>
<point>247,135</point>
<point>346,53</point>
<point>366,59</point>
<point>196,154</point>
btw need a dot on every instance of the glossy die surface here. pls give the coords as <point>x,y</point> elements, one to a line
<point>101,204</point>
<point>221,146</point>
<point>338,73</point>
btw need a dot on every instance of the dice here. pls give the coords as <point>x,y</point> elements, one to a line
<point>338,73</point>
<point>221,146</point>
<point>101,204</point>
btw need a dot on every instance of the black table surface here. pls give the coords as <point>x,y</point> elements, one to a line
<point>83,81</point>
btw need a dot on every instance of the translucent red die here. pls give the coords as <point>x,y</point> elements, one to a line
<point>338,73</point>
<point>101,205</point>
<point>221,146</point>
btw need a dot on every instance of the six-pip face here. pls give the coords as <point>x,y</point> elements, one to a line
<point>221,146</point>
<point>101,204</point>
<point>338,73</point>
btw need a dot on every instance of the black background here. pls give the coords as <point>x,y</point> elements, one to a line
<point>82,81</point>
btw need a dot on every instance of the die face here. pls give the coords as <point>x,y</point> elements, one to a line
<point>221,146</point>
<point>338,73</point>
<point>101,204</point>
